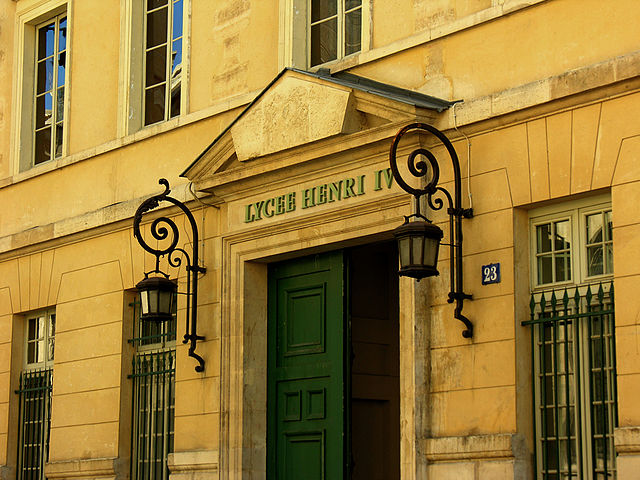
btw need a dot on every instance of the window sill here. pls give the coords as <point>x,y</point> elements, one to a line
<point>143,134</point>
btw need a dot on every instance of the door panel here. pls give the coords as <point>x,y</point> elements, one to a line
<point>306,377</point>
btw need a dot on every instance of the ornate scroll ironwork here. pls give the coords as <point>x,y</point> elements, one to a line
<point>419,168</point>
<point>163,228</point>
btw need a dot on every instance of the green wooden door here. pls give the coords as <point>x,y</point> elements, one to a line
<point>306,369</point>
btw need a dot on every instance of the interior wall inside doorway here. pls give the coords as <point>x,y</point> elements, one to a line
<point>375,389</point>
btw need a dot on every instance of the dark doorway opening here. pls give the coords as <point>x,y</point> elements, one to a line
<point>375,362</point>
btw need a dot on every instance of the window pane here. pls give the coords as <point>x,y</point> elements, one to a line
<point>151,4</point>
<point>31,352</point>
<point>609,258</point>
<point>322,9</point>
<point>45,76</point>
<point>177,20</point>
<point>176,56</point>
<point>156,66</point>
<point>349,4</point>
<point>352,35</point>
<point>61,68</point>
<point>594,260</point>
<point>43,146</point>
<point>32,330</point>
<point>545,269</point>
<point>157,28</point>
<point>594,228</point>
<point>43,110</point>
<point>59,136</point>
<point>62,35</point>
<point>608,220</point>
<point>60,105</point>
<point>323,42</point>
<point>154,104</point>
<point>543,236</point>
<point>175,100</point>
<point>46,40</point>
<point>562,235</point>
<point>563,267</point>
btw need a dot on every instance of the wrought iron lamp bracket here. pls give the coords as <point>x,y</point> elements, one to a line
<point>420,168</point>
<point>161,229</point>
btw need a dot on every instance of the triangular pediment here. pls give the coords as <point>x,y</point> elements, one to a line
<point>301,108</point>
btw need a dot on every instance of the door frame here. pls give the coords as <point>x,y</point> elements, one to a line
<point>243,311</point>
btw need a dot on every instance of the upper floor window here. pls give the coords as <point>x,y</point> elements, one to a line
<point>51,53</point>
<point>163,21</point>
<point>336,29</point>
<point>572,245</point>
<point>41,84</point>
<point>320,31</point>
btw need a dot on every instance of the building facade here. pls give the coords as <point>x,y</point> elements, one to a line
<point>272,120</point>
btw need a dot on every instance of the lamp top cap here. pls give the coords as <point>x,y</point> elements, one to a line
<point>156,283</point>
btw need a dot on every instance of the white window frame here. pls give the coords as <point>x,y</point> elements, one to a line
<point>47,339</point>
<point>131,86</point>
<point>576,212</point>
<point>295,34</point>
<point>29,18</point>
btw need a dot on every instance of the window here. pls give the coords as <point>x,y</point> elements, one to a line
<point>36,383</point>
<point>572,246</point>
<point>41,83</point>
<point>320,31</point>
<point>154,63</point>
<point>153,377</point>
<point>573,342</point>
<point>162,60</point>
<point>51,52</point>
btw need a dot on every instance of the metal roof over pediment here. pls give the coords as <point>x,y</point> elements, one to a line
<point>342,81</point>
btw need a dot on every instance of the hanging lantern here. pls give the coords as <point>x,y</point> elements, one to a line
<point>418,245</point>
<point>156,298</point>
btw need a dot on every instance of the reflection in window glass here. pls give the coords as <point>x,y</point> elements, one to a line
<point>599,229</point>
<point>50,74</point>
<point>163,60</point>
<point>336,29</point>
<point>553,247</point>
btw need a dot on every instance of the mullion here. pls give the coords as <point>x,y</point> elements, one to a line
<point>168,61</point>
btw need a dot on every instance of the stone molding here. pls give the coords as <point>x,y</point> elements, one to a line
<point>94,469</point>
<point>627,440</point>
<point>192,463</point>
<point>471,447</point>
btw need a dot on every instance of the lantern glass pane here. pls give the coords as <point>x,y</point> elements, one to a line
<point>165,301</point>
<point>403,251</point>
<point>144,302</point>
<point>417,242</point>
<point>153,301</point>
<point>430,251</point>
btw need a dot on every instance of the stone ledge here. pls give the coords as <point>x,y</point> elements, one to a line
<point>205,461</point>
<point>472,447</point>
<point>627,440</point>
<point>94,469</point>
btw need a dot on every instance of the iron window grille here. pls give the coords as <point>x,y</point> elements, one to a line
<point>574,381</point>
<point>35,387</point>
<point>35,423</point>
<point>153,378</point>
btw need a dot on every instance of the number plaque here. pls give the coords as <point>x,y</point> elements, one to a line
<point>490,273</point>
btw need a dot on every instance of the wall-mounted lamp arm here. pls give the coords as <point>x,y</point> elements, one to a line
<point>160,229</point>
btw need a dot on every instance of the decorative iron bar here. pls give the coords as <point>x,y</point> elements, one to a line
<point>153,377</point>
<point>573,347</point>
<point>35,423</point>
<point>153,419</point>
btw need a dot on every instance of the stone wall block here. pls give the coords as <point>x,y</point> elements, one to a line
<point>559,145</point>
<point>585,124</point>
<point>628,167</point>
<point>628,392</point>
<point>538,159</point>
<point>90,282</point>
